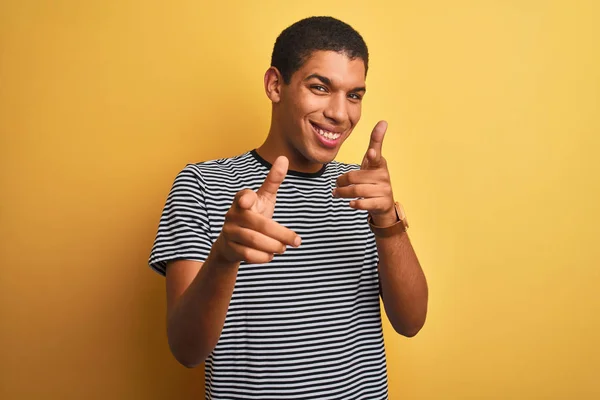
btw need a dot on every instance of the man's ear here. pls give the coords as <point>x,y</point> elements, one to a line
<point>273,83</point>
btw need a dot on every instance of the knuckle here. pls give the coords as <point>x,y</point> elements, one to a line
<point>351,177</point>
<point>246,254</point>
<point>226,231</point>
<point>261,258</point>
<point>238,196</point>
<point>241,194</point>
<point>232,219</point>
<point>253,240</point>
<point>263,225</point>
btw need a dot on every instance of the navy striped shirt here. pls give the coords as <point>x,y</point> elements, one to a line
<point>306,325</point>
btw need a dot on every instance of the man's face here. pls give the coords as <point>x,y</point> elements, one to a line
<point>322,104</point>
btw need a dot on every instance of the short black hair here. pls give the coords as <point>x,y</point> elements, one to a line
<point>298,41</point>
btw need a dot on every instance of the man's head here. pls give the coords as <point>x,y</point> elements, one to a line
<point>297,42</point>
<point>316,83</point>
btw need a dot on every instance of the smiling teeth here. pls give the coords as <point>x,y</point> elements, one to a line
<point>328,135</point>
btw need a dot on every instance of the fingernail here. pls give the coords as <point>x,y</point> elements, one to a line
<point>334,192</point>
<point>297,241</point>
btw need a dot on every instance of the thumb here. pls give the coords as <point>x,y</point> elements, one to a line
<point>273,180</point>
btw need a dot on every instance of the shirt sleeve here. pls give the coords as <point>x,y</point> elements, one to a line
<point>184,228</point>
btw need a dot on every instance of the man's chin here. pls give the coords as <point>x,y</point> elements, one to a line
<point>322,157</point>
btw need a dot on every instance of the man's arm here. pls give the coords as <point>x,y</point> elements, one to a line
<point>403,285</point>
<point>198,294</point>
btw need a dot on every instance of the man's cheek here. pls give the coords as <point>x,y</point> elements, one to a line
<point>355,116</point>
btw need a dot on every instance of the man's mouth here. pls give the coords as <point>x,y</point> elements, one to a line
<point>327,134</point>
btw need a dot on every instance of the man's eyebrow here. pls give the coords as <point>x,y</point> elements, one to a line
<point>322,78</point>
<point>327,81</point>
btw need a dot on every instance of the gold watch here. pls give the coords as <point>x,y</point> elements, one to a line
<point>395,228</point>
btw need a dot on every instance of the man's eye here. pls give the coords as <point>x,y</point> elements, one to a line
<point>320,88</point>
<point>354,96</point>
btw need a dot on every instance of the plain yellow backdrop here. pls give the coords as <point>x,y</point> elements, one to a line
<point>493,145</point>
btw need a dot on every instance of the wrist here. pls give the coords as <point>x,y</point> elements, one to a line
<point>385,219</point>
<point>390,226</point>
<point>218,255</point>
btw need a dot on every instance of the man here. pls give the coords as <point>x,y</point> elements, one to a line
<point>275,259</point>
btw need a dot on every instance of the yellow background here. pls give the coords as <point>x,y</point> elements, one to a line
<point>493,143</point>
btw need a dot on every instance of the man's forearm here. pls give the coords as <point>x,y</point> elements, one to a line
<point>195,322</point>
<point>403,284</point>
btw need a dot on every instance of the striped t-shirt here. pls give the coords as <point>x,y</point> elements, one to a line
<point>306,325</point>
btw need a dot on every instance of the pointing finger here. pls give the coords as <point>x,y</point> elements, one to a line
<point>273,180</point>
<point>373,154</point>
<point>272,229</point>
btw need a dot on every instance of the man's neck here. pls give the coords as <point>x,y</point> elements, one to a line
<point>274,147</point>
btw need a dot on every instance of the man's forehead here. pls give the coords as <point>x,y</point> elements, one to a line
<point>337,67</point>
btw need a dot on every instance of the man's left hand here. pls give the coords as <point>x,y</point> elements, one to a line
<point>371,184</point>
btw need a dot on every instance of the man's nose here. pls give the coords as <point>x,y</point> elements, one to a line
<point>336,108</point>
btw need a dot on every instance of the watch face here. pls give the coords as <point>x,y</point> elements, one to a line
<point>401,214</point>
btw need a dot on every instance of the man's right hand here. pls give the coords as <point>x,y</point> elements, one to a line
<point>249,233</point>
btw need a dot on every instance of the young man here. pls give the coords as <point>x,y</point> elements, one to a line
<point>275,259</point>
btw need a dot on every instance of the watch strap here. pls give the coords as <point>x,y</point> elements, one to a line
<point>396,228</point>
